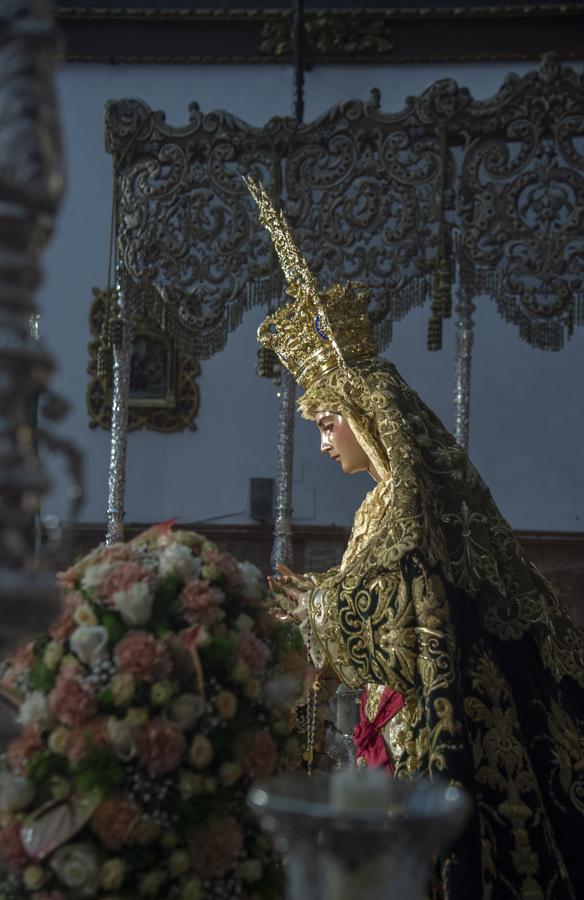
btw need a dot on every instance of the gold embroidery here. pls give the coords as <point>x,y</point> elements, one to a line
<point>431,499</point>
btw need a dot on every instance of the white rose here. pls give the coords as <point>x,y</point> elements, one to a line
<point>35,709</point>
<point>185,710</point>
<point>89,643</point>
<point>178,559</point>
<point>135,605</point>
<point>251,587</point>
<point>250,870</point>
<point>77,867</point>
<point>16,792</point>
<point>94,575</point>
<point>122,737</point>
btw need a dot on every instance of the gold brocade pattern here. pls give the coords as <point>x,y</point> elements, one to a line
<point>432,500</point>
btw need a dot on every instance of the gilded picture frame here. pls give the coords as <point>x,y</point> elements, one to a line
<point>164,394</point>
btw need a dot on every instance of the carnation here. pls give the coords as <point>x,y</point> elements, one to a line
<point>114,821</point>
<point>201,603</point>
<point>81,740</point>
<point>260,755</point>
<point>71,701</point>
<point>221,565</point>
<point>253,651</point>
<point>214,849</point>
<point>122,578</point>
<point>21,749</point>
<point>142,655</point>
<point>160,746</point>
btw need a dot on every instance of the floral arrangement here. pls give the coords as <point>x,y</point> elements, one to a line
<point>160,693</point>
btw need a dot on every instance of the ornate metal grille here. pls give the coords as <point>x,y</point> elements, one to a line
<point>489,194</point>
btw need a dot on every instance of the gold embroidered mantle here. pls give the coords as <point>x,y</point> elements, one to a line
<point>430,499</point>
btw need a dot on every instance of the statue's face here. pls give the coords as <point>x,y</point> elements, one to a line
<point>339,442</point>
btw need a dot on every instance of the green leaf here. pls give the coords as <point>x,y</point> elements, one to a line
<point>106,700</point>
<point>98,769</point>
<point>44,765</point>
<point>114,626</point>
<point>221,648</point>
<point>166,605</point>
<point>40,678</point>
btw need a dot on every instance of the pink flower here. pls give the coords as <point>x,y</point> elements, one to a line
<point>260,755</point>
<point>87,736</point>
<point>254,652</point>
<point>144,656</point>
<point>114,820</point>
<point>214,849</point>
<point>22,748</point>
<point>226,565</point>
<point>11,849</point>
<point>160,746</point>
<point>200,603</point>
<point>122,577</point>
<point>20,661</point>
<point>66,624</point>
<point>71,701</point>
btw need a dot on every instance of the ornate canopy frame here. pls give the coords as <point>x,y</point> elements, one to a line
<point>449,195</point>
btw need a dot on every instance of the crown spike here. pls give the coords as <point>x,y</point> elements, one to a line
<point>297,272</point>
<point>323,329</point>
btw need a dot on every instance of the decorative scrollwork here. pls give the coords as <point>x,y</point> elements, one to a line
<point>185,222</point>
<point>490,188</point>
<point>522,193</point>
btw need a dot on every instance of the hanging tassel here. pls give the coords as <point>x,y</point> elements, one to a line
<point>435,333</point>
<point>442,290</point>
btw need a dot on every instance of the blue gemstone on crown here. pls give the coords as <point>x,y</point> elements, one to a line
<point>318,330</point>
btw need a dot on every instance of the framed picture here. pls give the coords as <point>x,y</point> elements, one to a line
<point>163,392</point>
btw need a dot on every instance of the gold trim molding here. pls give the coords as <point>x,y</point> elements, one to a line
<point>355,35</point>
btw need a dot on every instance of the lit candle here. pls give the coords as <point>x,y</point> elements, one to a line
<point>359,790</point>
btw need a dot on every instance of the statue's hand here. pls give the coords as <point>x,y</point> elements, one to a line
<point>291,591</point>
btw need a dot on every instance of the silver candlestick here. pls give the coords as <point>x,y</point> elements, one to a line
<point>358,834</point>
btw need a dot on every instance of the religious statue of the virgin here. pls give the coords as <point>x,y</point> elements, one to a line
<point>469,667</point>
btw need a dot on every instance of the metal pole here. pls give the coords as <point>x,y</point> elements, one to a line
<point>463,361</point>
<point>282,546</point>
<point>122,357</point>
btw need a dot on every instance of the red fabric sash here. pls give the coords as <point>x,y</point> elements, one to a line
<point>367,735</point>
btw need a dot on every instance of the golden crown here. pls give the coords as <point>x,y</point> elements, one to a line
<point>323,329</point>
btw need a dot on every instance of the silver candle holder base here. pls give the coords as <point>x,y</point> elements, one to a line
<point>336,853</point>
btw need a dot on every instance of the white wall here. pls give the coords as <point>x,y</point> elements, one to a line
<point>527,420</point>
